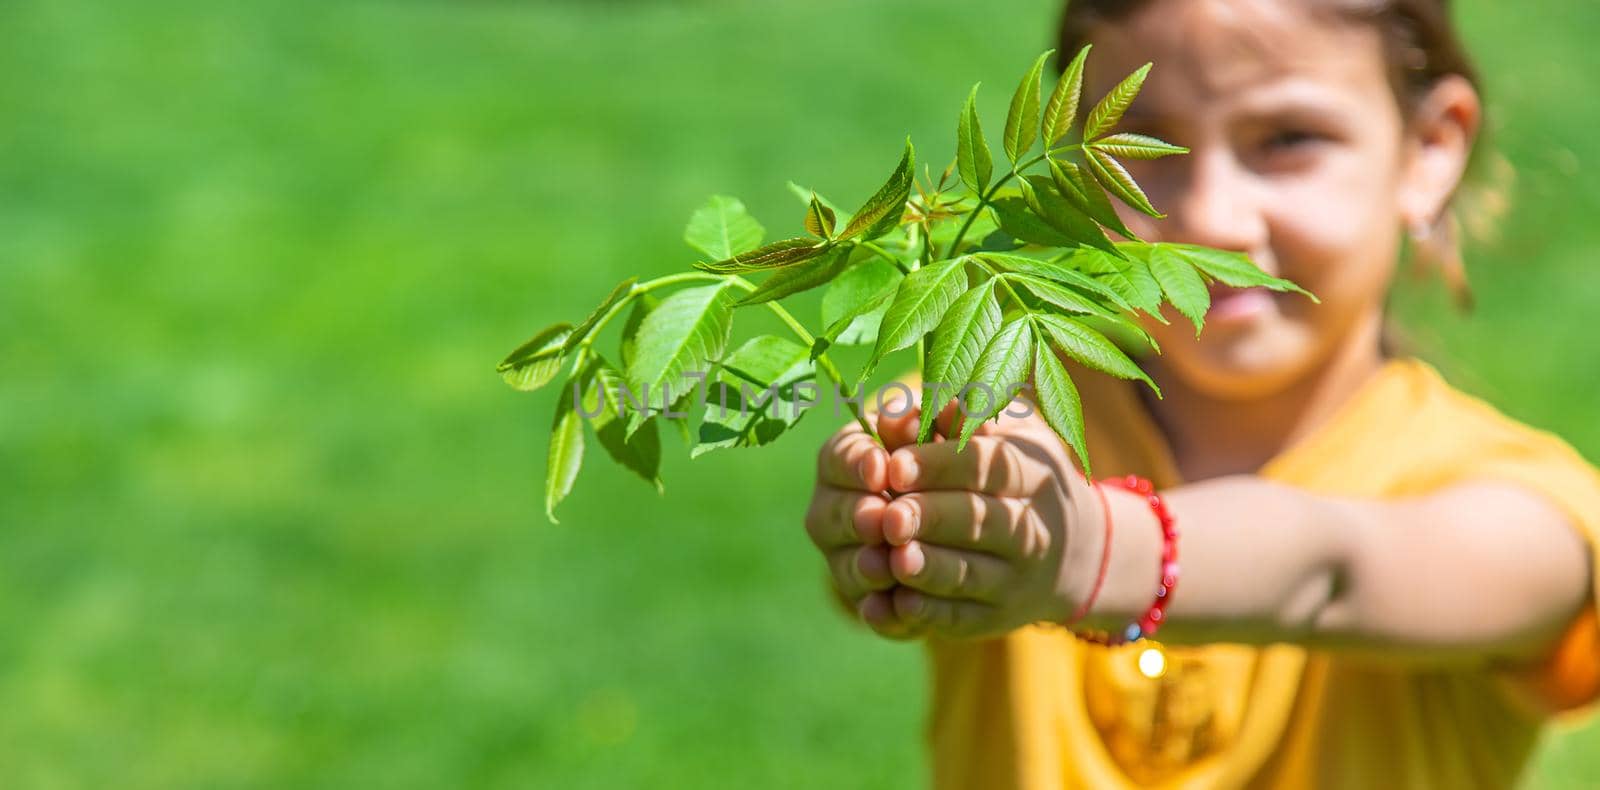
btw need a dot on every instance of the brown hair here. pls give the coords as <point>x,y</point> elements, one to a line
<point>1422,48</point>
<point>1421,40</point>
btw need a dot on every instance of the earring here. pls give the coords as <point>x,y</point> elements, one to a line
<point>1434,245</point>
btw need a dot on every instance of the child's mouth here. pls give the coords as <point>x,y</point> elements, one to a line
<point>1230,305</point>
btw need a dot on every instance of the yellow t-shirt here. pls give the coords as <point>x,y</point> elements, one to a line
<point>1036,709</point>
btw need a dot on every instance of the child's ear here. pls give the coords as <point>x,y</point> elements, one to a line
<point>1443,127</point>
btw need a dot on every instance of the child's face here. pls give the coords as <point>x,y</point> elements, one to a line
<point>1299,159</point>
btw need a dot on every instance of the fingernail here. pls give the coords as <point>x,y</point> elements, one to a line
<point>901,529</point>
<point>910,604</point>
<point>872,566</point>
<point>916,561</point>
<point>868,520</point>
<point>906,470</point>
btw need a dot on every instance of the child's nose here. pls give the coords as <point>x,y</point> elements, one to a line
<point>1219,205</point>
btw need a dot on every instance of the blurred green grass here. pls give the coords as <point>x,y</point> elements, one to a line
<point>267,517</point>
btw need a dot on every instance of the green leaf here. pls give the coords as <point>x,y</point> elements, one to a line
<point>769,359</point>
<point>920,301</point>
<point>687,331</point>
<point>853,298</point>
<point>1093,349</point>
<point>1002,366</point>
<point>623,290</point>
<point>1108,112</point>
<point>746,422</point>
<point>1041,196</point>
<point>1019,222</point>
<point>732,419</point>
<point>882,212</point>
<point>1081,190</point>
<point>963,334</point>
<point>723,229</point>
<point>972,150</point>
<point>1114,177</point>
<point>536,362</point>
<point>565,456</point>
<point>1233,268</point>
<point>1124,331</point>
<point>806,194</point>
<point>640,453</point>
<point>1058,401</point>
<point>642,305</point>
<point>1061,296</point>
<point>1062,110</point>
<point>776,255</point>
<point>1060,273</point>
<point>1129,278</point>
<point>1184,287</point>
<point>820,220</point>
<point>1022,122</point>
<point>795,279</point>
<point>1137,146</point>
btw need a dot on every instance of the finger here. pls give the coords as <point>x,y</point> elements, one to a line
<point>956,519</point>
<point>950,573</point>
<point>877,610</point>
<point>860,570</point>
<point>872,562</point>
<point>950,419</point>
<point>912,425</point>
<point>898,420</point>
<point>989,465</point>
<point>944,617</point>
<point>844,518</point>
<point>850,459</point>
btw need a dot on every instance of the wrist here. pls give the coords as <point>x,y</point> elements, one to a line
<point>1133,570</point>
<point>1083,562</point>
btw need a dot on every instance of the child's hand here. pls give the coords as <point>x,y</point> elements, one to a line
<point>844,521</point>
<point>1003,534</point>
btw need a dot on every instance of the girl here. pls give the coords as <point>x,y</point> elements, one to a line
<point>1383,582</point>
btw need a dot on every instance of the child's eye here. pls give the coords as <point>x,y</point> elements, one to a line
<point>1290,149</point>
<point>1292,139</point>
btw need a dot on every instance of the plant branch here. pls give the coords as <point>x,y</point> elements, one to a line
<point>823,362</point>
<point>987,198</point>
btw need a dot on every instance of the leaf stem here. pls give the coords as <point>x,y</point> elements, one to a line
<point>986,198</point>
<point>1001,276</point>
<point>637,290</point>
<point>823,362</point>
<point>924,258</point>
<point>674,279</point>
<point>884,254</point>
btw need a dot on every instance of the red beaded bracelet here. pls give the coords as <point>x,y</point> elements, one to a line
<point>1146,626</point>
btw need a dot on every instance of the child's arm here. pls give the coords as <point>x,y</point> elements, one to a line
<point>1008,533</point>
<point>1476,571</point>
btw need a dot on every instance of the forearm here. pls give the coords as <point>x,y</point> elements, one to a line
<point>1259,562</point>
<point>1263,562</point>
